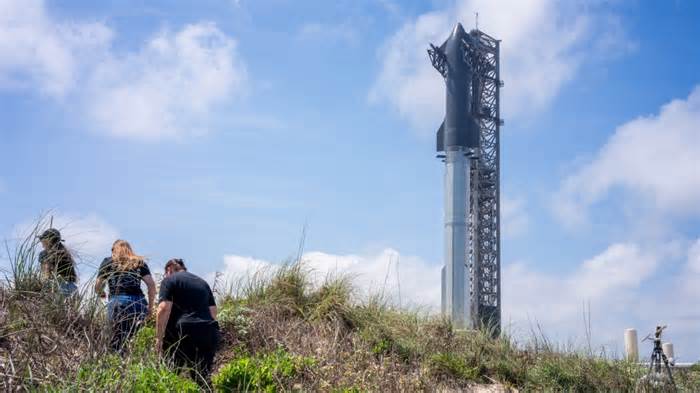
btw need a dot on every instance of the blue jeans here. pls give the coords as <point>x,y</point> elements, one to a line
<point>67,288</point>
<point>126,314</point>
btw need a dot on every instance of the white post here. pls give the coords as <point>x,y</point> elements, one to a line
<point>457,301</point>
<point>631,345</point>
<point>668,350</point>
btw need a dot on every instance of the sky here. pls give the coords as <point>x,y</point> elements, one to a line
<point>226,132</point>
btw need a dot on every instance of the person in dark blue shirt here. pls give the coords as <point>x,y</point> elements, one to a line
<point>186,327</point>
<point>127,307</point>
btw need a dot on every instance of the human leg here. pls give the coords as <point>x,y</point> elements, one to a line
<point>67,288</point>
<point>126,312</point>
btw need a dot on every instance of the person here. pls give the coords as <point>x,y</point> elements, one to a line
<point>127,307</point>
<point>57,264</point>
<point>186,326</point>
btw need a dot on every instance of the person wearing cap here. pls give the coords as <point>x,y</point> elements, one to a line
<point>186,327</point>
<point>127,307</point>
<point>57,264</point>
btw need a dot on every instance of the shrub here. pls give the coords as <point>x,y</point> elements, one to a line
<point>332,301</point>
<point>143,342</point>
<point>264,373</point>
<point>234,314</point>
<point>451,366</point>
<point>112,373</point>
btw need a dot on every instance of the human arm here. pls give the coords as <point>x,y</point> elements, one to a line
<point>151,286</point>
<point>162,316</point>
<point>212,304</point>
<point>99,287</point>
<point>44,265</point>
<point>102,274</point>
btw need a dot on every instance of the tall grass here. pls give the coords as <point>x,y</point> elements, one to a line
<point>52,342</point>
<point>25,272</point>
<point>284,329</point>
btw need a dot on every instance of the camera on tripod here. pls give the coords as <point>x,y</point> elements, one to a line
<point>658,363</point>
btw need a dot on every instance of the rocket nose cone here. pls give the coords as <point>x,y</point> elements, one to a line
<point>458,30</point>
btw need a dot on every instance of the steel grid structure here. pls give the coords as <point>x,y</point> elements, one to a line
<point>482,52</point>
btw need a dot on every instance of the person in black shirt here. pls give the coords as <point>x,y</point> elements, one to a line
<point>56,262</point>
<point>186,327</point>
<point>127,307</point>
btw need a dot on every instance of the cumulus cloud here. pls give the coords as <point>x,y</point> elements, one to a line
<point>543,45</point>
<point>614,286</point>
<point>87,235</point>
<point>166,88</point>
<point>654,158</point>
<point>691,273</point>
<point>40,53</point>
<point>407,280</point>
<point>616,272</point>
<point>554,299</point>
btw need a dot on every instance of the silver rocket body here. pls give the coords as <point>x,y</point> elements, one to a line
<point>457,304</point>
<point>458,138</point>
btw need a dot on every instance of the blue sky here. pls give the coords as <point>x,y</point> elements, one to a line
<point>215,131</point>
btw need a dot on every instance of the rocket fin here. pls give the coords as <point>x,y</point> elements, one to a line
<point>440,140</point>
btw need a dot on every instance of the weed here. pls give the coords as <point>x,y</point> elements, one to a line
<point>263,373</point>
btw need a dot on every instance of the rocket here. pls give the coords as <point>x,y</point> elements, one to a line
<point>460,128</point>
<point>458,138</point>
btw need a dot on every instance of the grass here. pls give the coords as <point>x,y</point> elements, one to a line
<point>283,330</point>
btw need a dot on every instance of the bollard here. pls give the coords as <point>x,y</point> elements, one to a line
<point>668,350</point>
<point>631,346</point>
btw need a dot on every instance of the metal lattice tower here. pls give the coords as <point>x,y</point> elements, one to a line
<point>482,51</point>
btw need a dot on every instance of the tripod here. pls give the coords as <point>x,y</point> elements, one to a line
<point>654,376</point>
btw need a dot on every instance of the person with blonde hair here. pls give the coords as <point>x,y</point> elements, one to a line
<point>127,307</point>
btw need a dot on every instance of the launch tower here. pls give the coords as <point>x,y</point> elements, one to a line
<point>469,144</point>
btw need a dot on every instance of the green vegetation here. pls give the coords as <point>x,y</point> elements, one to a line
<point>285,330</point>
<point>112,373</point>
<point>267,373</point>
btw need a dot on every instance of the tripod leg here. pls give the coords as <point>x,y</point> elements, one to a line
<point>668,370</point>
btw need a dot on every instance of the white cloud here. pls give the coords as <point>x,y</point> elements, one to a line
<point>372,274</point>
<point>618,285</point>
<point>655,158</point>
<point>691,274</point>
<point>167,88</point>
<point>556,300</point>
<point>616,272</point>
<point>514,217</point>
<point>543,45</point>
<point>88,236</point>
<point>37,52</point>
